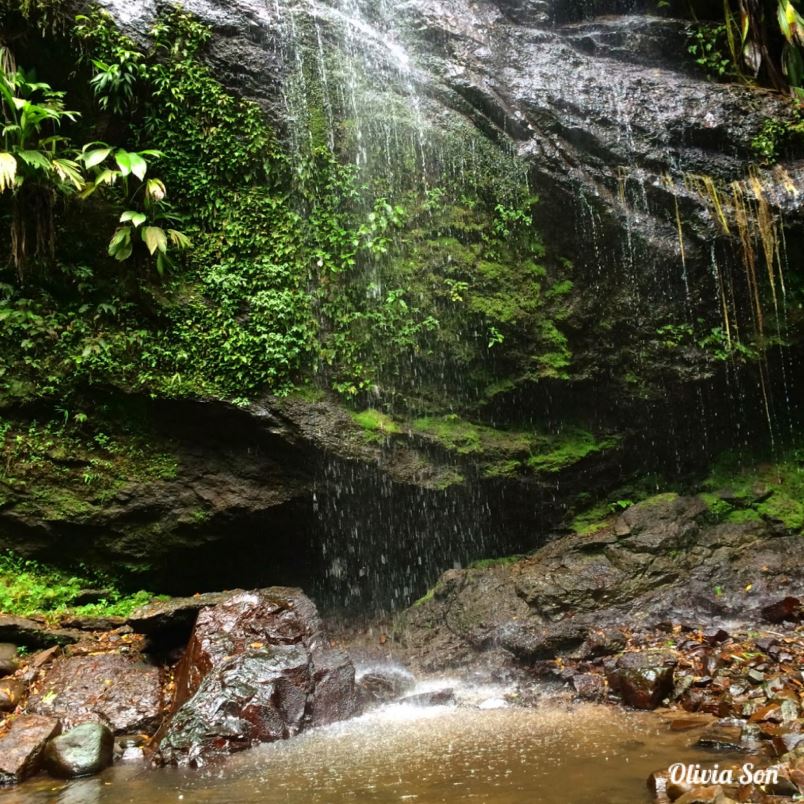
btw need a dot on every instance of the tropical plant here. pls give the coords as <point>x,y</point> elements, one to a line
<point>36,163</point>
<point>755,50</point>
<point>147,219</point>
<point>114,83</point>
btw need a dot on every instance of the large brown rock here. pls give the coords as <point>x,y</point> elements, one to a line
<point>22,749</point>
<point>257,669</point>
<point>115,689</point>
<point>644,679</point>
<point>246,621</point>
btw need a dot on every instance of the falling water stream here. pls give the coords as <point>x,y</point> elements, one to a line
<point>352,86</point>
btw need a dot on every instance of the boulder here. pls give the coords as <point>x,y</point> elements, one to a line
<point>257,696</point>
<point>246,621</point>
<point>11,691</point>
<point>334,696</point>
<point>382,684</point>
<point>643,680</point>
<point>590,686</point>
<point>82,751</point>
<point>22,748</point>
<point>787,610</point>
<point>32,634</point>
<point>115,689</point>
<point>9,660</point>
<point>257,669</point>
<point>178,613</point>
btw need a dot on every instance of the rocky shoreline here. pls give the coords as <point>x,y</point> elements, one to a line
<point>617,614</point>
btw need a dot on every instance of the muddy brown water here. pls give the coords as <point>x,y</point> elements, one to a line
<point>551,755</point>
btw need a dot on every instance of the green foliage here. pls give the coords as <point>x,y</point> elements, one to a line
<point>375,423</point>
<point>708,45</point>
<point>755,41</point>
<point>570,447</point>
<point>294,264</point>
<point>503,561</point>
<point>67,467</point>
<point>30,588</point>
<point>35,161</point>
<point>776,134</point>
<point>742,488</point>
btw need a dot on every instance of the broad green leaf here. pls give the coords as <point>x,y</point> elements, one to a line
<point>8,172</point>
<point>154,238</point>
<point>139,167</point>
<point>179,239</point>
<point>93,158</point>
<point>36,159</point>
<point>137,218</point>
<point>120,245</point>
<point>69,171</point>
<point>107,177</point>
<point>123,159</point>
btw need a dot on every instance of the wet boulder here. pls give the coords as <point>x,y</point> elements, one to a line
<point>82,751</point>
<point>258,696</point>
<point>441,697</point>
<point>9,660</point>
<point>643,680</point>
<point>788,610</point>
<point>245,621</point>
<point>382,684</point>
<point>257,669</point>
<point>11,692</point>
<point>334,695</point>
<point>590,686</point>
<point>110,688</point>
<point>22,748</point>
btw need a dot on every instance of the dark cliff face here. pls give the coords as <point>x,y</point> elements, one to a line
<point>642,165</point>
<point>623,141</point>
<point>588,93</point>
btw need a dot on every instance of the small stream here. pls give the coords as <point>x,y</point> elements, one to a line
<point>478,750</point>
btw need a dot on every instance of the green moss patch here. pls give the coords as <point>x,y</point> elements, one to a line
<point>375,423</point>
<point>28,588</point>
<point>572,446</point>
<point>742,488</point>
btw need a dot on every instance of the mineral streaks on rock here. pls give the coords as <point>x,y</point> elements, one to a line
<point>257,669</point>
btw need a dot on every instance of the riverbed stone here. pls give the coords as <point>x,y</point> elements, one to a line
<point>382,684</point>
<point>11,692</point>
<point>9,660</point>
<point>116,689</point>
<point>82,751</point>
<point>726,733</point>
<point>22,748</point>
<point>643,679</point>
